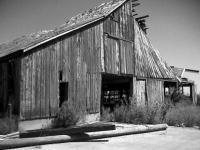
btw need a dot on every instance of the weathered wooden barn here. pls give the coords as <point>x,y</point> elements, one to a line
<point>95,59</point>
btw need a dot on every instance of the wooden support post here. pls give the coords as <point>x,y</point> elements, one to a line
<point>9,110</point>
<point>10,115</point>
<point>141,18</point>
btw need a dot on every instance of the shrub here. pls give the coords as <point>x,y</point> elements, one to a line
<point>106,115</point>
<point>183,115</point>
<point>67,116</point>
<point>8,125</point>
<point>137,114</point>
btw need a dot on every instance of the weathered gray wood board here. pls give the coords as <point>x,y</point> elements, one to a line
<point>155,91</point>
<point>78,58</point>
<point>141,92</point>
<point>118,41</point>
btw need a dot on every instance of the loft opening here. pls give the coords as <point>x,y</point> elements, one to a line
<point>116,91</point>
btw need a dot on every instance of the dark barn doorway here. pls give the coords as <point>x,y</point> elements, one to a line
<point>116,91</point>
<point>9,88</point>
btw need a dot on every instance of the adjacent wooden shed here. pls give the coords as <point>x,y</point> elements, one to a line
<point>188,79</point>
<point>95,59</point>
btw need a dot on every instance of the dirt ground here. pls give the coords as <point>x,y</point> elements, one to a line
<point>174,138</point>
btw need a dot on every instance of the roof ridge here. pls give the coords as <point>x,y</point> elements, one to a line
<point>80,20</point>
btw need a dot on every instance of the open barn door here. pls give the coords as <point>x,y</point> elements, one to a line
<point>116,91</point>
<point>9,88</point>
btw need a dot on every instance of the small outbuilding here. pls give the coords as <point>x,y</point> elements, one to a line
<point>187,84</point>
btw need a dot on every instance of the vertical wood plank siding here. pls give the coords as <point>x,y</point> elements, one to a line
<point>141,92</point>
<point>115,46</point>
<point>79,59</point>
<point>148,62</point>
<point>39,84</point>
<point>155,91</point>
<point>118,42</point>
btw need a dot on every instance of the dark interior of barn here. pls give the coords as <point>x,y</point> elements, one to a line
<point>9,102</point>
<point>116,91</point>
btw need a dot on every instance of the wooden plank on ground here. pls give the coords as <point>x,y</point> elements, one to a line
<point>68,131</point>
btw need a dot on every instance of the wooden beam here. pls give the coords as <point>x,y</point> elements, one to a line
<point>134,15</point>
<point>118,38</point>
<point>146,28</point>
<point>133,10</point>
<point>142,21</point>
<point>135,4</point>
<point>94,127</point>
<point>134,1</point>
<point>143,17</point>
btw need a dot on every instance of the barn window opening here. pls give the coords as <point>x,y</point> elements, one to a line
<point>167,92</point>
<point>169,88</point>
<point>60,75</point>
<point>116,91</point>
<point>63,88</point>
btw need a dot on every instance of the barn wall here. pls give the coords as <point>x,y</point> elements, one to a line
<point>113,46</point>
<point>141,92</point>
<point>39,83</point>
<point>81,59</point>
<point>77,58</point>
<point>155,91</point>
<point>118,42</point>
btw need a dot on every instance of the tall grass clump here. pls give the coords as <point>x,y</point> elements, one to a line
<point>67,116</point>
<point>106,115</point>
<point>183,115</point>
<point>8,125</point>
<point>140,114</point>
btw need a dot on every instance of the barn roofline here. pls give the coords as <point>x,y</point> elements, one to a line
<point>80,25</point>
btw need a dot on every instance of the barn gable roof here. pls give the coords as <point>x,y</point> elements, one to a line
<point>31,41</point>
<point>148,61</point>
<point>178,71</point>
